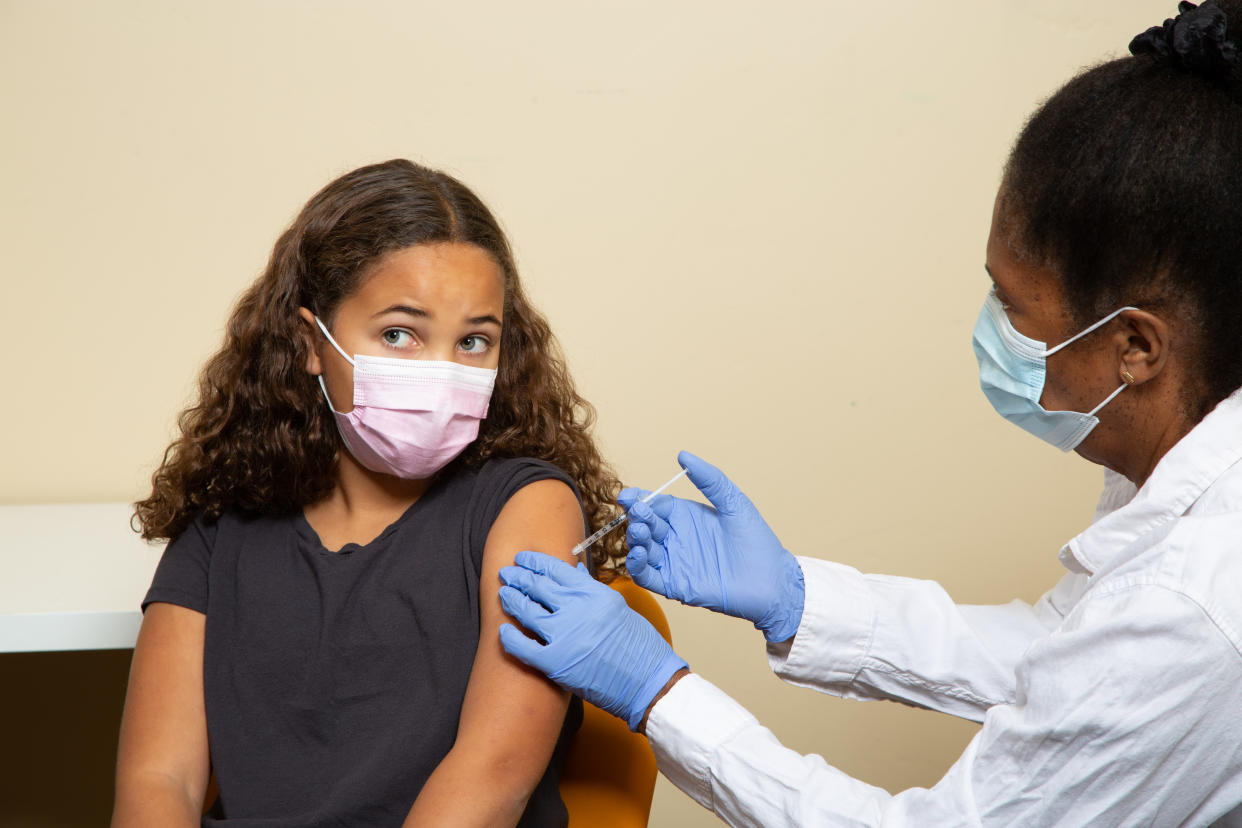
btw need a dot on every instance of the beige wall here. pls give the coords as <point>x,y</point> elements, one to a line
<point>757,229</point>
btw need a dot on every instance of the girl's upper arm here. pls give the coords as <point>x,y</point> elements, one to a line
<point>163,743</point>
<point>509,708</point>
<point>511,716</point>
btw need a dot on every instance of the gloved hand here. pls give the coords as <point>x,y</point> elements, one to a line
<point>725,559</point>
<point>596,646</point>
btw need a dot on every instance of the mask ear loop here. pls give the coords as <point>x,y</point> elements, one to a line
<point>345,355</point>
<point>1108,399</point>
<point>1083,333</point>
<point>319,377</point>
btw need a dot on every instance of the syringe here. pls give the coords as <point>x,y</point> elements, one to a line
<point>615,522</point>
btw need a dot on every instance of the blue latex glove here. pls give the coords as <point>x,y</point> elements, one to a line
<point>595,645</point>
<point>725,559</point>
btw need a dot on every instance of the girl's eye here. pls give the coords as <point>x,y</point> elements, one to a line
<point>397,338</point>
<point>474,344</point>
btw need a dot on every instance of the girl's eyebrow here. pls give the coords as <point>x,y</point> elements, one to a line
<point>402,309</point>
<point>419,312</point>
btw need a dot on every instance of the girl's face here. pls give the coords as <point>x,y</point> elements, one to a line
<point>431,301</point>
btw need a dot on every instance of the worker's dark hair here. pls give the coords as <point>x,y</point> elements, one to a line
<point>1128,184</point>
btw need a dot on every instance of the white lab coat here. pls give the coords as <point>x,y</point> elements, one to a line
<point>1115,701</point>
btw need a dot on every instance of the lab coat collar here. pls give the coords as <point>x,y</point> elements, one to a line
<point>1182,475</point>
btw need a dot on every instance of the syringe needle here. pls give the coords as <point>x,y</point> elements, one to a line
<point>615,522</point>
<point>599,533</point>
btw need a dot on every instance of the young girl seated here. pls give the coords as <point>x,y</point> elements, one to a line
<point>386,425</point>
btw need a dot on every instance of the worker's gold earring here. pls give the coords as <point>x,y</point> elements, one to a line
<point>1127,377</point>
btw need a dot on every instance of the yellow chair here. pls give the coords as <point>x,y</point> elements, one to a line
<point>609,775</point>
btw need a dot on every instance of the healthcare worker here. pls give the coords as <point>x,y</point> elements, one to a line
<point>1113,329</point>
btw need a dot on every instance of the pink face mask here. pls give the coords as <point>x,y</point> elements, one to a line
<point>411,417</point>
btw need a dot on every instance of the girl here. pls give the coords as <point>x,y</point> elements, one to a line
<point>387,424</point>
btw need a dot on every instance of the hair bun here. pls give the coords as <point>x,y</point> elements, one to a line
<point>1195,40</point>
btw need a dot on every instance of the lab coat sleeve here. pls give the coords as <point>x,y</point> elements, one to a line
<point>711,748</point>
<point>1100,733</point>
<point>874,637</point>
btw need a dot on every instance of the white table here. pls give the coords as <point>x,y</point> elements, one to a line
<point>72,577</point>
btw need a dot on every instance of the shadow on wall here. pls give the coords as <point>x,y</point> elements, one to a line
<point>59,718</point>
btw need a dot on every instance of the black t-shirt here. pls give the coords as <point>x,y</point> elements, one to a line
<point>334,681</point>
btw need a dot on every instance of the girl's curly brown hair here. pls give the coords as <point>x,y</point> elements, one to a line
<point>260,439</point>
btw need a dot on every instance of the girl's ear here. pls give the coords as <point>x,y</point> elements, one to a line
<point>310,333</point>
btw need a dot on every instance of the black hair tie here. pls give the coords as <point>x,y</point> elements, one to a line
<point>1195,40</point>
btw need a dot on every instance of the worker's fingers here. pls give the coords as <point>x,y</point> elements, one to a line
<point>636,560</point>
<point>630,495</point>
<point>640,566</point>
<point>554,568</point>
<point>715,486</point>
<point>520,647</point>
<point>530,614</point>
<point>637,534</point>
<point>536,585</point>
<point>642,512</point>
<point>662,505</point>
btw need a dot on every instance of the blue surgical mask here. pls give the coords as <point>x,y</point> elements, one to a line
<point>1012,368</point>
